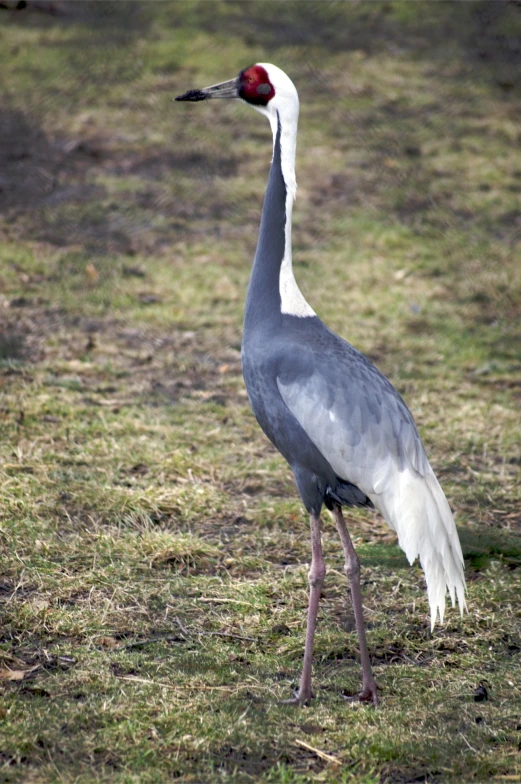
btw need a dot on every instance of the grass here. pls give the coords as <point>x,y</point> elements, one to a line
<point>154,551</point>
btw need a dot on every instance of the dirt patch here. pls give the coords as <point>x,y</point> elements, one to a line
<point>112,18</point>
<point>50,191</point>
<point>485,31</point>
<point>409,775</point>
<point>161,164</point>
<point>29,162</point>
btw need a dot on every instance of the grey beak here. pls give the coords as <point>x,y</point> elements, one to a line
<point>228,89</point>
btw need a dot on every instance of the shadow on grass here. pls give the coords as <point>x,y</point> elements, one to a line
<point>482,546</point>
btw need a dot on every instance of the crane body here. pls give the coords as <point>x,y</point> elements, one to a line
<point>346,433</point>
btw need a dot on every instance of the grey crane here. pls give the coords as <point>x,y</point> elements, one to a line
<point>346,433</point>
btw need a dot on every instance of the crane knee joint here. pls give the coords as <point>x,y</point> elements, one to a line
<point>352,568</point>
<point>316,576</point>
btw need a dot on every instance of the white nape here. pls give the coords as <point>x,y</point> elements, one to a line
<point>284,108</point>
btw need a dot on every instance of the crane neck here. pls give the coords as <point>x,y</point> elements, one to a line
<point>292,301</point>
<point>284,130</point>
<point>273,289</point>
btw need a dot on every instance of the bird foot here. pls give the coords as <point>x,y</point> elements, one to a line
<point>298,700</point>
<point>368,694</point>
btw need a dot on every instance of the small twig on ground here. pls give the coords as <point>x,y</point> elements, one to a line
<point>229,634</point>
<point>416,663</point>
<point>135,679</point>
<point>141,643</point>
<point>185,631</point>
<point>321,754</point>
<point>218,600</point>
<point>6,656</point>
<point>468,744</point>
<point>214,634</point>
<point>185,686</point>
<point>186,635</point>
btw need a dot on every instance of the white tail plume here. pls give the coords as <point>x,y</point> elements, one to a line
<point>416,508</point>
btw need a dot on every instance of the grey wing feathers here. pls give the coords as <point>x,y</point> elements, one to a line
<point>357,421</point>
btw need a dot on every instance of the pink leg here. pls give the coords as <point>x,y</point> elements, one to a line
<point>352,570</point>
<point>316,580</point>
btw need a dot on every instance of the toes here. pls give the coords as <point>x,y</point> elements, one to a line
<point>298,699</point>
<point>367,695</point>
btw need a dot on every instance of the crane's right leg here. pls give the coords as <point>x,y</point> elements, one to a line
<point>352,569</point>
<point>316,576</point>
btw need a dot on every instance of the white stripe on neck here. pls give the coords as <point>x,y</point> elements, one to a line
<point>292,301</point>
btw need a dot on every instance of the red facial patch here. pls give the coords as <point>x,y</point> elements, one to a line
<point>255,86</point>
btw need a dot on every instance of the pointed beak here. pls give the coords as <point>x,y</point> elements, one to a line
<point>228,89</point>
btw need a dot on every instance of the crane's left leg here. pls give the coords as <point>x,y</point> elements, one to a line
<point>352,570</point>
<point>316,576</point>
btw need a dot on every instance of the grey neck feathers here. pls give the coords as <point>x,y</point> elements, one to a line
<point>263,300</point>
<point>273,291</point>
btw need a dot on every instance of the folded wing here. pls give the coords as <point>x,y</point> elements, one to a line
<point>365,431</point>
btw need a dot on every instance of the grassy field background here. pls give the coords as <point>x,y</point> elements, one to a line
<point>154,552</point>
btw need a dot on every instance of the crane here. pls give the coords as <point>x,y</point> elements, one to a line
<point>346,433</point>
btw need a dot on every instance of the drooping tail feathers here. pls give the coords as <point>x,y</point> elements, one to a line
<point>416,508</point>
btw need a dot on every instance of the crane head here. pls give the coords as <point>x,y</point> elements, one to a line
<point>258,85</point>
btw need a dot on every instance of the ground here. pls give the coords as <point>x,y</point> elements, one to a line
<point>154,551</point>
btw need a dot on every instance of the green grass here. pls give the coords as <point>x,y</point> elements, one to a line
<point>154,551</point>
